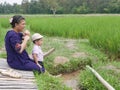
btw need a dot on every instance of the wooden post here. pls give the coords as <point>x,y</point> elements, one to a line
<point>105,83</point>
<point>49,52</point>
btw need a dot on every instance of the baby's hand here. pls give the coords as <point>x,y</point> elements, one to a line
<point>39,65</point>
<point>27,32</point>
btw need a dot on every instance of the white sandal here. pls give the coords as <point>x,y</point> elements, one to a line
<point>10,73</point>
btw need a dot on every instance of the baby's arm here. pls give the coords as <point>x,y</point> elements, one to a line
<point>36,60</point>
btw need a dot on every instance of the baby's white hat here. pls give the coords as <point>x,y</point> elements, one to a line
<point>36,36</point>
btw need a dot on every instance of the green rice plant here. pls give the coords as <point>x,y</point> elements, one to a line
<point>108,42</point>
<point>2,36</point>
<point>4,21</point>
<point>72,27</point>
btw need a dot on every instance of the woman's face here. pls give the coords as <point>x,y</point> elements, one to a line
<point>20,26</point>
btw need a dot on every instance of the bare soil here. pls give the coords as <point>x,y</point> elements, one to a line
<point>79,55</point>
<point>112,67</point>
<point>71,80</point>
<point>60,60</point>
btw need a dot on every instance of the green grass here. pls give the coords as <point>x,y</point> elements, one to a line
<point>4,22</point>
<point>61,49</point>
<point>47,82</point>
<point>2,36</point>
<point>89,81</point>
<point>3,55</point>
<point>101,63</point>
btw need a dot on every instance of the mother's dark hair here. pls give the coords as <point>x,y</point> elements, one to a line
<point>16,20</point>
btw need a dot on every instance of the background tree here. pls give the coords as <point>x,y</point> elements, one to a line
<point>61,7</point>
<point>25,6</point>
<point>52,5</point>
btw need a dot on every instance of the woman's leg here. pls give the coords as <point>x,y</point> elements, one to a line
<point>29,66</point>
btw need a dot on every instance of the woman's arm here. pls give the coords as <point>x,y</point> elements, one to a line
<point>24,43</point>
<point>26,38</point>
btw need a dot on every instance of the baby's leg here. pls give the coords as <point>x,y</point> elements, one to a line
<point>43,68</point>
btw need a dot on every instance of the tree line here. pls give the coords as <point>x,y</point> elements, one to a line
<point>61,7</point>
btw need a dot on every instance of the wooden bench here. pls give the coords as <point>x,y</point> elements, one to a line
<point>27,82</point>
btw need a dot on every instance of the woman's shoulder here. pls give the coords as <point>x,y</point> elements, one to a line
<point>10,33</point>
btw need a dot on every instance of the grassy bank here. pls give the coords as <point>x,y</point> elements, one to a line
<point>47,82</point>
<point>109,70</point>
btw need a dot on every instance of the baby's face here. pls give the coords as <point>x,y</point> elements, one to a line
<point>40,42</point>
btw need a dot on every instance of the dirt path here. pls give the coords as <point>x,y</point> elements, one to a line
<point>71,44</point>
<point>111,67</point>
<point>71,80</point>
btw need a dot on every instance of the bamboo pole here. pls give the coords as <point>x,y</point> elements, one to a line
<point>105,83</point>
<point>49,52</point>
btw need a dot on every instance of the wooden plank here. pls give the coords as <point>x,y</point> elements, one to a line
<point>14,79</point>
<point>18,82</point>
<point>49,52</point>
<point>27,82</point>
<point>19,89</point>
<point>23,76</point>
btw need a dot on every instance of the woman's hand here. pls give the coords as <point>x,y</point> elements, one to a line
<point>24,43</point>
<point>27,32</point>
<point>26,37</point>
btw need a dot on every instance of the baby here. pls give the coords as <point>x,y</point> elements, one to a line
<point>38,54</point>
<point>37,51</point>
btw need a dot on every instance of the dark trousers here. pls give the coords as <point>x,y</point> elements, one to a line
<point>43,68</point>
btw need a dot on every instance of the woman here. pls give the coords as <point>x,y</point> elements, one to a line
<point>15,44</point>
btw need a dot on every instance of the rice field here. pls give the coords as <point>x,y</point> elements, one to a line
<point>103,32</point>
